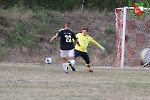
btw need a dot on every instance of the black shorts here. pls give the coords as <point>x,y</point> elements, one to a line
<point>84,55</point>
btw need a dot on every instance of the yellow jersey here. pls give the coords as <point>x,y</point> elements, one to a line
<point>84,42</point>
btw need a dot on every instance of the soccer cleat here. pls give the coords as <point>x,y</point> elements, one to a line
<point>66,72</point>
<point>73,69</point>
<point>88,68</point>
<point>91,71</point>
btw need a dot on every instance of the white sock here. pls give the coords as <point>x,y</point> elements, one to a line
<point>65,66</point>
<point>72,62</point>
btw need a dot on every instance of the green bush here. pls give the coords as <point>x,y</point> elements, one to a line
<point>107,46</point>
<point>21,35</point>
<point>66,5</point>
<point>3,53</point>
<point>3,21</point>
<point>28,27</point>
<point>101,5</point>
<point>110,30</point>
<point>40,15</point>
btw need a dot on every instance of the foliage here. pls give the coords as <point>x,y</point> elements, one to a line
<point>33,28</point>
<point>110,30</point>
<point>66,5</point>
<point>3,53</point>
<point>107,46</point>
<point>105,4</point>
<point>61,5</point>
<point>27,27</point>
<point>18,36</point>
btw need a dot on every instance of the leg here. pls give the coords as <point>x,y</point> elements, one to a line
<point>87,60</point>
<point>77,53</point>
<point>64,59</point>
<point>71,59</point>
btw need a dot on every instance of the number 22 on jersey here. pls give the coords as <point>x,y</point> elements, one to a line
<point>68,38</point>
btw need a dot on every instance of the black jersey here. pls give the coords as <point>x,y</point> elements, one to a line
<point>66,39</point>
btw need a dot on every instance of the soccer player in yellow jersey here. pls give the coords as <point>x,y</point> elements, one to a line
<point>84,39</point>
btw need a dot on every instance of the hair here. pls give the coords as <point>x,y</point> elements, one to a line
<point>85,29</point>
<point>68,24</point>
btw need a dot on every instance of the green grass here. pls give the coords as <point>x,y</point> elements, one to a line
<point>48,82</point>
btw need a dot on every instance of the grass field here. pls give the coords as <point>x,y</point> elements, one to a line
<point>48,82</point>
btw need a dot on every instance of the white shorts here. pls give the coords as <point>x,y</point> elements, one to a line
<point>65,53</point>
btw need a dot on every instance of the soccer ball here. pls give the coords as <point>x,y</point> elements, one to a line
<point>48,60</point>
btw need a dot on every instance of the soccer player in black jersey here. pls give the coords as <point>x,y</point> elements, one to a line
<point>66,46</point>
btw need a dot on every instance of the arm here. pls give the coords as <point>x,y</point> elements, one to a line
<point>76,39</point>
<point>97,44</point>
<point>53,38</point>
<point>77,42</point>
<point>57,35</point>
